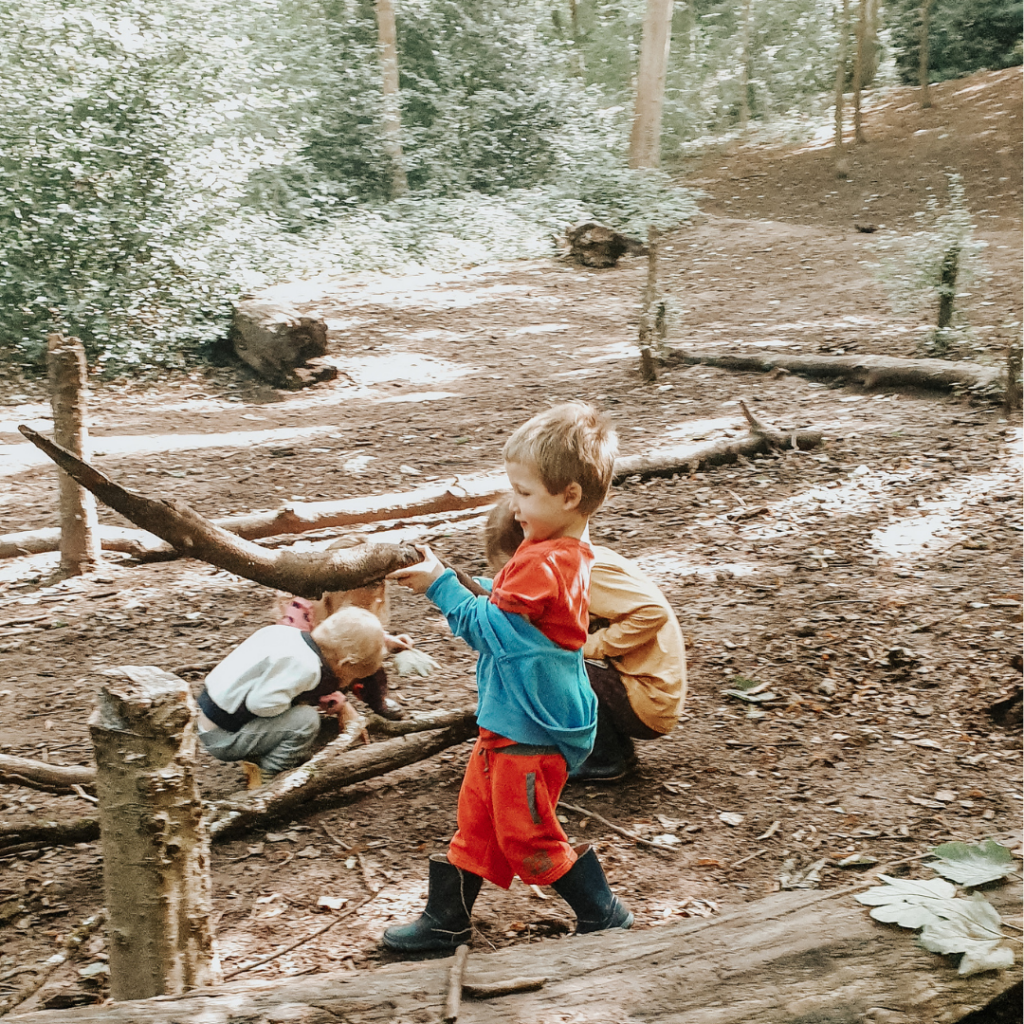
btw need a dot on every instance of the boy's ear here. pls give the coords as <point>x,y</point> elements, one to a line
<point>572,496</point>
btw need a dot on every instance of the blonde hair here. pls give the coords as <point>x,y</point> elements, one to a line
<point>571,443</point>
<point>351,637</point>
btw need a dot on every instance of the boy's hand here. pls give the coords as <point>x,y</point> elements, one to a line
<point>418,577</point>
<point>334,703</point>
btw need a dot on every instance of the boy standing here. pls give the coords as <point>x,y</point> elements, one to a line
<point>536,710</point>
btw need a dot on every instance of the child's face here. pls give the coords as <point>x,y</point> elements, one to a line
<point>541,514</point>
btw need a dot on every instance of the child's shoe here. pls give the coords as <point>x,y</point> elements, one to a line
<point>445,922</point>
<point>585,889</point>
<point>253,775</point>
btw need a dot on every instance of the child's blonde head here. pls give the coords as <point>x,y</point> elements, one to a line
<point>502,534</point>
<point>571,443</point>
<point>352,642</point>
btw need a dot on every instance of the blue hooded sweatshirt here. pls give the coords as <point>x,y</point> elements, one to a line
<point>530,689</point>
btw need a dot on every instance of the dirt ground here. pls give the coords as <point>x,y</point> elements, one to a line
<point>874,584</point>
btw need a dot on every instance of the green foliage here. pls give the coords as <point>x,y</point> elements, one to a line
<point>130,131</point>
<point>914,269</point>
<point>972,865</point>
<point>791,59</point>
<point>962,37</point>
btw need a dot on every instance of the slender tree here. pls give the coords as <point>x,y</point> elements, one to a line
<point>745,67</point>
<point>859,69</point>
<point>387,36</point>
<point>844,27</point>
<point>645,139</point>
<point>922,67</point>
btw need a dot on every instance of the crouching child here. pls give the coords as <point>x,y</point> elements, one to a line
<point>536,711</point>
<point>260,704</point>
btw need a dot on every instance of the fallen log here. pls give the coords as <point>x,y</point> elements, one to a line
<point>305,574</point>
<point>136,543</point>
<point>791,957</point>
<point>50,778</point>
<point>67,779</point>
<point>326,773</point>
<point>280,344</point>
<point>288,795</point>
<point>154,515</point>
<point>868,371</point>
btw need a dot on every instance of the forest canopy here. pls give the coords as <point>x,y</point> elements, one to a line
<point>159,159</point>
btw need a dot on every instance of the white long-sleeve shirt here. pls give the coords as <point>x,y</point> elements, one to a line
<point>266,672</point>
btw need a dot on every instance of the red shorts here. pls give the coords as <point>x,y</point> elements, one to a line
<point>508,823</point>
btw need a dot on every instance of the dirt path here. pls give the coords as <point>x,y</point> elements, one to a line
<point>875,584</point>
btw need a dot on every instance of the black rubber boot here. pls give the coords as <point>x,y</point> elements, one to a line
<point>445,921</point>
<point>610,759</point>
<point>373,692</point>
<point>585,889</point>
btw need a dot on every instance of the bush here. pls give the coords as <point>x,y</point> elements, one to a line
<point>962,37</point>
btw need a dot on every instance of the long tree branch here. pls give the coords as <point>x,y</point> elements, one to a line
<point>306,574</point>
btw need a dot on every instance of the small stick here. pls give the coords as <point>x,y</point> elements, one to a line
<point>615,828</point>
<point>751,857</point>
<point>453,1000</point>
<point>502,988</point>
<point>302,941</point>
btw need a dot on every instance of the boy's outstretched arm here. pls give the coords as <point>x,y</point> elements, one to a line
<point>418,577</point>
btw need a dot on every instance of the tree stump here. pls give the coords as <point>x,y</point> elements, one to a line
<point>594,245</point>
<point>280,344</point>
<point>79,531</point>
<point>155,843</point>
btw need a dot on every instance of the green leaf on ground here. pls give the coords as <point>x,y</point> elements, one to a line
<point>972,865</point>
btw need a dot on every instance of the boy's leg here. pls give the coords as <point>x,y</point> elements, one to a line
<point>475,846</point>
<point>525,787</point>
<point>275,744</point>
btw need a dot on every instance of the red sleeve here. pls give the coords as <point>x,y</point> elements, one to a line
<point>525,587</point>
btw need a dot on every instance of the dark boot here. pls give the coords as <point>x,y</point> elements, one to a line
<point>445,921</point>
<point>610,759</point>
<point>585,889</point>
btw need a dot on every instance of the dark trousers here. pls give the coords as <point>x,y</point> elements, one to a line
<point>614,701</point>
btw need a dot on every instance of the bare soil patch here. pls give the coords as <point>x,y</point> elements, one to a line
<point>875,583</point>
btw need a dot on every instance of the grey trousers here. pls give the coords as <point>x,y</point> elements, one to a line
<point>275,744</point>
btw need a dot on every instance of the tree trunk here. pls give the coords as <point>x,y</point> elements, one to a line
<point>744,67</point>
<point>388,41</point>
<point>155,843</point>
<point>645,138</point>
<point>859,68</point>
<point>842,167</point>
<point>870,371</point>
<point>788,958</point>
<point>305,574</point>
<point>947,285</point>
<point>79,533</point>
<point>922,67</point>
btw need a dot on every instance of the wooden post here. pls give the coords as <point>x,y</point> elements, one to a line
<point>645,138</point>
<point>388,40</point>
<point>79,531</point>
<point>156,865</point>
<point>648,369</point>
